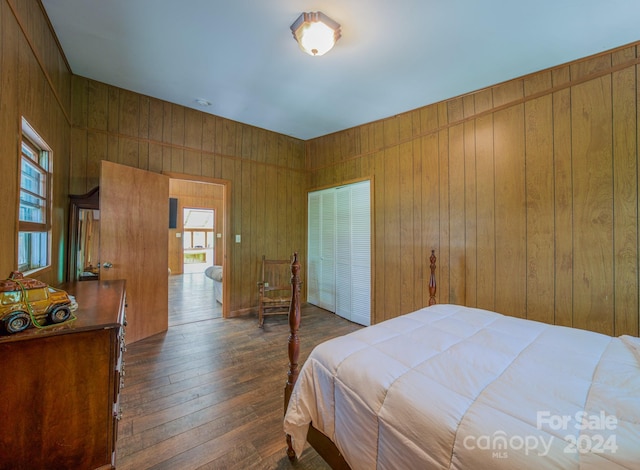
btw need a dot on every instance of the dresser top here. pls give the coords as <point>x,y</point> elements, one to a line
<point>100,306</point>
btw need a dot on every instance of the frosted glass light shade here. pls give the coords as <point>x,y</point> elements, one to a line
<point>315,33</point>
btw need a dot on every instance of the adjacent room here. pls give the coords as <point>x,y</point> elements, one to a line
<point>453,191</point>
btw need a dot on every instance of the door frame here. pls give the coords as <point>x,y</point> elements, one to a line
<point>226,230</point>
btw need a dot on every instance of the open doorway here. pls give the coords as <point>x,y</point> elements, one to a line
<point>196,247</point>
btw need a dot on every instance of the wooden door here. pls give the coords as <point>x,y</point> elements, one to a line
<point>134,221</point>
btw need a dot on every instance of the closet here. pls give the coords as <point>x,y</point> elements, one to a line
<point>339,251</point>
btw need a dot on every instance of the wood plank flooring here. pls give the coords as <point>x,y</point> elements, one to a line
<point>208,393</point>
<point>191,299</point>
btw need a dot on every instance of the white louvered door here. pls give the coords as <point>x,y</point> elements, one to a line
<point>327,297</point>
<point>361,253</point>
<point>339,248</point>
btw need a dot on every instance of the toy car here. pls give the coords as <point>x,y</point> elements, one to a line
<point>25,300</point>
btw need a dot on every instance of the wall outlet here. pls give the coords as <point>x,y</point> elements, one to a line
<point>237,238</point>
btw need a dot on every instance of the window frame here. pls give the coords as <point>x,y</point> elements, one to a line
<point>43,164</point>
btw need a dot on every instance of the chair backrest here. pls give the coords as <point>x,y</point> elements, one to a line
<point>276,273</point>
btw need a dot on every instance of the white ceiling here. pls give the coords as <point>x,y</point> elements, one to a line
<point>394,55</point>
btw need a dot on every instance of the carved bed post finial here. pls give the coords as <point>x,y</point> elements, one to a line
<point>294,342</point>
<point>432,279</point>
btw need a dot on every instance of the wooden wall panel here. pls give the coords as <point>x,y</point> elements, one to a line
<point>266,171</point>
<point>592,204</point>
<point>625,196</point>
<point>528,191</point>
<point>456,209</point>
<point>430,207</point>
<point>563,191</point>
<point>486,218</point>
<point>494,180</point>
<point>392,247</point>
<point>408,243</point>
<point>539,200</point>
<point>35,83</point>
<point>470,219</point>
<point>510,222</point>
<point>418,272</point>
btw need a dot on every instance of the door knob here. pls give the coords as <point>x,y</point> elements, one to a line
<point>107,265</point>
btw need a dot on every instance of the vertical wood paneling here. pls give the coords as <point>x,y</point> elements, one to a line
<point>470,211</point>
<point>379,212</point>
<point>129,113</point>
<point>9,131</point>
<point>485,189</point>
<point>249,256</point>
<point>539,200</point>
<point>78,162</point>
<point>392,250</point>
<point>563,191</point>
<point>592,205</point>
<point>456,196</point>
<point>34,84</point>
<point>430,207</point>
<point>510,221</point>
<point>97,101</point>
<point>420,250</point>
<point>144,117</point>
<point>444,213</point>
<point>409,248</point>
<point>161,137</point>
<point>625,198</point>
<point>486,218</point>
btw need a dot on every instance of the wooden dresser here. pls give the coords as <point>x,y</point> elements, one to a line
<point>59,398</point>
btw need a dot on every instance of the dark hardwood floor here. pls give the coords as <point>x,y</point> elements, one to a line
<point>208,393</point>
<point>191,299</point>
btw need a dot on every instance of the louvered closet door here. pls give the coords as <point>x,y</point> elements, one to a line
<point>343,252</point>
<point>361,253</point>
<point>327,289</point>
<point>339,265</point>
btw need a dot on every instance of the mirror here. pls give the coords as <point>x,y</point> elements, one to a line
<point>84,239</point>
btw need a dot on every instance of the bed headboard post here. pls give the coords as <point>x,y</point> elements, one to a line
<point>294,324</point>
<point>294,342</point>
<point>432,279</point>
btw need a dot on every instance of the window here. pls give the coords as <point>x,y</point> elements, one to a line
<point>34,217</point>
<point>198,228</point>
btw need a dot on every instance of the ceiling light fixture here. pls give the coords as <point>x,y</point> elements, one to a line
<point>315,32</point>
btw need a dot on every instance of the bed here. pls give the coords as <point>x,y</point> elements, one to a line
<point>215,274</point>
<point>449,386</point>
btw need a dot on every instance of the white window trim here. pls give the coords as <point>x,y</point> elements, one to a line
<point>35,139</point>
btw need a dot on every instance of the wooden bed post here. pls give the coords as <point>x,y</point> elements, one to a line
<point>294,342</point>
<point>432,279</point>
<point>321,443</point>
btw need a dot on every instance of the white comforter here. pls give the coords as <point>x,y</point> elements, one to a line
<point>455,387</point>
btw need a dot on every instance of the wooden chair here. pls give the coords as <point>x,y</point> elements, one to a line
<point>274,288</point>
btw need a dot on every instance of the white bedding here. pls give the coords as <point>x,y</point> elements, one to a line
<point>455,387</point>
<point>215,274</point>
